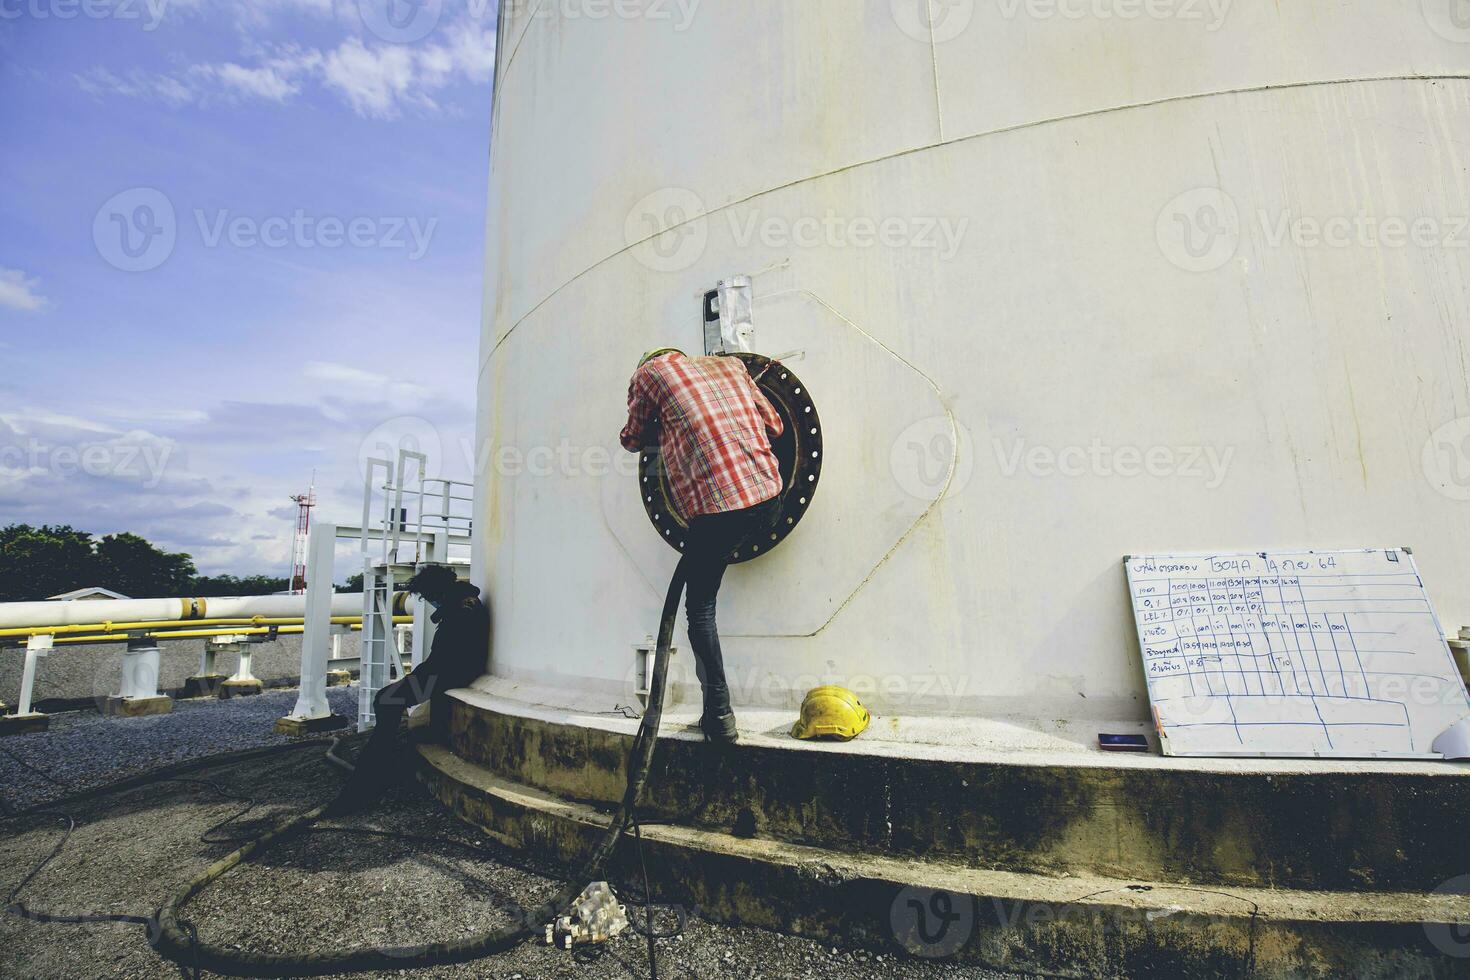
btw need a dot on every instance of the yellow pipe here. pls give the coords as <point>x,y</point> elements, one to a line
<point>225,631</point>
<point>183,634</point>
<point>110,627</point>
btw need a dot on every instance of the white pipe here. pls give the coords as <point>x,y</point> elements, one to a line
<point>74,612</point>
<point>343,604</point>
<point>79,612</point>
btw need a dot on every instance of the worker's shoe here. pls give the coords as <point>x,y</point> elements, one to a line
<point>350,801</point>
<point>719,726</point>
<point>361,792</point>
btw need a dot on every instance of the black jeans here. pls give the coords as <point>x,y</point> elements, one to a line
<point>707,547</point>
<point>374,763</point>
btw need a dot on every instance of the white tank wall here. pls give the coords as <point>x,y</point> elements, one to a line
<point>1061,146</point>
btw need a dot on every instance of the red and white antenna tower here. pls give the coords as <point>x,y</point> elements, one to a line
<point>304,503</point>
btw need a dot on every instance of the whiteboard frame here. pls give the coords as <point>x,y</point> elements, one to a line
<point>1161,733</point>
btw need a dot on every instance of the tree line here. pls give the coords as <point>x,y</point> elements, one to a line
<point>36,562</point>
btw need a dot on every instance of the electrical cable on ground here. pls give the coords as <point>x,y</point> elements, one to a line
<point>175,943</point>
<point>149,922</point>
<point>174,937</point>
<point>160,776</point>
<point>192,969</point>
<point>647,903</point>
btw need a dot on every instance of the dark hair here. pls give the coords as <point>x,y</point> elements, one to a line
<point>432,581</point>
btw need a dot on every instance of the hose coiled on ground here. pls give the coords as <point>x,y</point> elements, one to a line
<point>178,941</point>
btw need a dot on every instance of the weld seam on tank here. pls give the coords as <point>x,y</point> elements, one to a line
<point>898,154</point>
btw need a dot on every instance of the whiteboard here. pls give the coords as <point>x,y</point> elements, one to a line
<point>1307,653</point>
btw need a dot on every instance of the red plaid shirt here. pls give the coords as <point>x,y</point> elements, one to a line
<point>712,422</point>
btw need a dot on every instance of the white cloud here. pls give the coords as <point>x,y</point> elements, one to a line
<point>377,80</point>
<point>328,371</point>
<point>343,379</point>
<point>254,15</point>
<point>272,81</point>
<point>46,457</point>
<point>171,90</point>
<point>137,84</point>
<point>473,50</point>
<point>216,487</point>
<point>19,291</point>
<point>173,416</point>
<point>29,421</point>
<point>372,80</point>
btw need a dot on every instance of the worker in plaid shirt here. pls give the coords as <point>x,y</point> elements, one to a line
<point>714,428</point>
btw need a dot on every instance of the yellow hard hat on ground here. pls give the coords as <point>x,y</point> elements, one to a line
<point>830,712</point>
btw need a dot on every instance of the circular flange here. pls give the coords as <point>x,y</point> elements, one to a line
<point>798,453</point>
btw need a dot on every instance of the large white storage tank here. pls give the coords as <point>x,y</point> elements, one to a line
<point>1071,280</point>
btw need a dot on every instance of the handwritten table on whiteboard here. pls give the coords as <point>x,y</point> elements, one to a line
<point>1326,653</point>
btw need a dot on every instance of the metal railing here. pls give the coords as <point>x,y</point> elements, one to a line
<point>423,519</point>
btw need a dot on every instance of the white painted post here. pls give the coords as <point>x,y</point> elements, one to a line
<point>36,647</point>
<point>206,660</point>
<point>243,681</point>
<point>140,669</point>
<point>243,672</point>
<point>316,636</point>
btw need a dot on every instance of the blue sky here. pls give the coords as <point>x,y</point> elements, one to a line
<point>239,241</point>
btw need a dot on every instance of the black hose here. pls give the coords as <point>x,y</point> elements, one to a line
<point>156,775</point>
<point>336,759</point>
<point>23,911</point>
<point>16,907</point>
<point>647,903</point>
<point>177,940</point>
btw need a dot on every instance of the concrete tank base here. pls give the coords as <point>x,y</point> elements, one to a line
<point>1069,866</point>
<point>240,688</point>
<point>118,707</point>
<point>309,726</point>
<point>202,686</point>
<point>25,724</point>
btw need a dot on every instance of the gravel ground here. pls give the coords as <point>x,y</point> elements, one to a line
<point>83,749</point>
<point>133,848</point>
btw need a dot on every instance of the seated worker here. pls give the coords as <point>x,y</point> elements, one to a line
<point>456,658</point>
<point>714,428</point>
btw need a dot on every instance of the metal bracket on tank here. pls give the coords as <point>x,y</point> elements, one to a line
<point>798,454</point>
<point>727,318</point>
